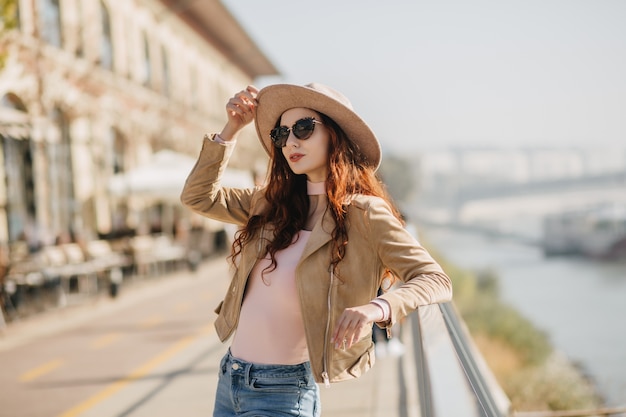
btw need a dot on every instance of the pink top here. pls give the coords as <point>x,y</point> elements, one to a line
<point>270,329</point>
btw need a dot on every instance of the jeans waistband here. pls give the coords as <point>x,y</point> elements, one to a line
<point>239,366</point>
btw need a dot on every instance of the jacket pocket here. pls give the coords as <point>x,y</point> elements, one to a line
<point>363,364</point>
<point>354,361</point>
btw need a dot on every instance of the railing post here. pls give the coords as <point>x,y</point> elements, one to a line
<point>453,379</point>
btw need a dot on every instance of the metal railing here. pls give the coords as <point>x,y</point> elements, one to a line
<point>609,411</point>
<point>453,379</point>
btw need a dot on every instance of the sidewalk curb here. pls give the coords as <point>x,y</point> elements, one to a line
<point>19,332</point>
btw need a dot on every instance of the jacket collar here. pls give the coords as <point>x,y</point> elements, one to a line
<point>320,234</point>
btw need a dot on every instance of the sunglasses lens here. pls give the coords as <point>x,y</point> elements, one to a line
<point>279,136</point>
<point>303,128</point>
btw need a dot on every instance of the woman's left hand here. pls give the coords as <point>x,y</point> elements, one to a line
<point>354,323</point>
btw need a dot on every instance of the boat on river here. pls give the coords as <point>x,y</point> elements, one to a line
<point>598,232</point>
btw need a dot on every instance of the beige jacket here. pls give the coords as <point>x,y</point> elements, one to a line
<point>376,240</point>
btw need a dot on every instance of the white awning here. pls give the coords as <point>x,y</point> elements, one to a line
<point>14,123</point>
<point>164,176</point>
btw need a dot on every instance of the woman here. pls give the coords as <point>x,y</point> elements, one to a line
<point>312,251</point>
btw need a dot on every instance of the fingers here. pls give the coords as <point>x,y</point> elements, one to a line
<point>252,90</point>
<point>344,334</point>
<point>242,106</point>
<point>240,111</point>
<point>353,324</point>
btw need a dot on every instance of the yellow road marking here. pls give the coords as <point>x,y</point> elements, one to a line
<point>151,321</point>
<point>182,307</point>
<point>105,340</point>
<point>40,370</point>
<point>138,373</point>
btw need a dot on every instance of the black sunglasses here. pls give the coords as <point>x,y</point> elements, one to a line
<point>302,129</point>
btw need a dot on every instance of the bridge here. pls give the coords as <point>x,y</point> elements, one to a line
<point>611,181</point>
<point>516,210</point>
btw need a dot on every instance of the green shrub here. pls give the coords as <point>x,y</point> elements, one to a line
<point>477,297</point>
<point>545,380</point>
<point>496,320</point>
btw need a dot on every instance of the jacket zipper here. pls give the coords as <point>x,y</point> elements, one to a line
<point>326,335</point>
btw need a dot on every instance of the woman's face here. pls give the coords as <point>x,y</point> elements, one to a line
<point>306,156</point>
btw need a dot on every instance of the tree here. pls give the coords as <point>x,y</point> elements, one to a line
<point>399,176</point>
<point>8,22</point>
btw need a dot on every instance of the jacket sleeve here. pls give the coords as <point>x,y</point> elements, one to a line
<point>424,281</point>
<point>204,194</point>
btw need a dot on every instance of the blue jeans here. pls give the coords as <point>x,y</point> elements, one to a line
<point>250,390</point>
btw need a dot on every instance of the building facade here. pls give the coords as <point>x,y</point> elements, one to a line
<point>91,89</point>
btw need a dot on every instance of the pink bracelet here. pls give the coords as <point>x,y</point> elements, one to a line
<point>215,137</point>
<point>384,307</point>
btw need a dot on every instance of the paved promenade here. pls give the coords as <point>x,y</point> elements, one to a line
<point>156,355</point>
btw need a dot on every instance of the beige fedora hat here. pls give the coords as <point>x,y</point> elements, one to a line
<point>274,100</point>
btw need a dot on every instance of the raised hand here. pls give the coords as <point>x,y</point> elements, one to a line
<point>240,110</point>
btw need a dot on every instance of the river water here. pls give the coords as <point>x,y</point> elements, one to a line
<point>580,304</point>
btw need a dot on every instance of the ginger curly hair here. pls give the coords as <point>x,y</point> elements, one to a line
<point>286,193</point>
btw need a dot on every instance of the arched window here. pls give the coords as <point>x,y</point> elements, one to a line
<point>80,30</point>
<point>18,23</point>
<point>106,42</point>
<point>50,22</point>
<point>18,172</point>
<point>119,152</point>
<point>165,72</point>
<point>147,69</point>
<point>12,101</point>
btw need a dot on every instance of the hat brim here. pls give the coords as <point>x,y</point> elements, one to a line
<point>274,100</point>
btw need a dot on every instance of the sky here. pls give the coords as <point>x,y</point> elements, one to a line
<point>434,74</point>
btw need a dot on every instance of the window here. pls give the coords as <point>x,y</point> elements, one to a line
<point>79,30</point>
<point>119,152</point>
<point>50,22</point>
<point>165,69</point>
<point>147,71</point>
<point>61,177</point>
<point>129,46</point>
<point>20,186</point>
<point>106,42</point>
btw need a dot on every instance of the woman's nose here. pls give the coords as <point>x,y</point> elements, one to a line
<point>292,140</point>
